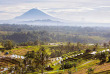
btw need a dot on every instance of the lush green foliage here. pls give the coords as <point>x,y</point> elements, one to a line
<point>25,33</point>
<point>8,44</point>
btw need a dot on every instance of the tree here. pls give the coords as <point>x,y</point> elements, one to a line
<point>87,50</point>
<point>8,44</point>
<point>95,47</point>
<point>36,60</point>
<point>109,59</point>
<point>30,43</point>
<point>101,57</point>
<point>66,65</point>
<point>42,58</point>
<point>36,42</point>
<point>105,45</point>
<point>78,44</point>
<point>33,62</point>
<point>109,43</point>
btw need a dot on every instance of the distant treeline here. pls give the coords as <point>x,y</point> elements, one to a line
<point>23,33</point>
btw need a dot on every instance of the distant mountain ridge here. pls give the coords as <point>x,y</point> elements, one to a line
<point>45,20</point>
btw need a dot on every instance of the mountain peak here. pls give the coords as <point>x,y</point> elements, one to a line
<point>34,10</point>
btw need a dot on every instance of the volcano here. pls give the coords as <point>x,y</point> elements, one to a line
<point>34,14</point>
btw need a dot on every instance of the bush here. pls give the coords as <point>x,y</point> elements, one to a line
<point>101,57</point>
<point>87,50</point>
<point>8,44</point>
<point>49,68</point>
<point>66,65</point>
<point>69,72</point>
<point>109,59</point>
<point>90,71</point>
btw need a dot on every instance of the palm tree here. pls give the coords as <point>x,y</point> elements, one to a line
<point>36,60</point>
<point>42,58</point>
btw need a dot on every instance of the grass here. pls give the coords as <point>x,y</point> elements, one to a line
<point>50,72</point>
<point>81,67</point>
<point>94,64</point>
<point>90,64</point>
<point>104,72</point>
<point>1,46</point>
<point>6,64</point>
<point>101,49</point>
<point>22,50</point>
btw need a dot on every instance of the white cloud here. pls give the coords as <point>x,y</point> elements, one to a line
<point>82,9</point>
<point>104,6</point>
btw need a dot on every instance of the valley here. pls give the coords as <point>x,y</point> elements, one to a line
<point>63,54</point>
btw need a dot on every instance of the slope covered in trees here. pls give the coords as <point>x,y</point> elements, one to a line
<point>25,33</point>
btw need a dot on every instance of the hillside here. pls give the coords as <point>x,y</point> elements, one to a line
<point>23,33</point>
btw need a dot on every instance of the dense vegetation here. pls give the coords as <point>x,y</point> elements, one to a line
<point>25,33</point>
<point>57,49</point>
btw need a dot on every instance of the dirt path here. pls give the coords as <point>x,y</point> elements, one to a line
<point>87,62</point>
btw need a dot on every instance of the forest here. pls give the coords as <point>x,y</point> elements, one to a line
<point>23,33</point>
<point>30,49</point>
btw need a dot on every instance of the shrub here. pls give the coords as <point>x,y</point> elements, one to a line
<point>101,57</point>
<point>90,71</point>
<point>109,59</point>
<point>69,71</point>
<point>87,50</point>
<point>66,65</point>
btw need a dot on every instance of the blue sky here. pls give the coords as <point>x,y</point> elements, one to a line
<point>75,10</point>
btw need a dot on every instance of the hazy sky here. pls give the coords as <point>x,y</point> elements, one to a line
<point>75,10</point>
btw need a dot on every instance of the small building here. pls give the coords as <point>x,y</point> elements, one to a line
<point>52,44</point>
